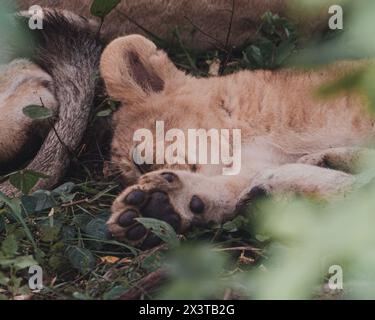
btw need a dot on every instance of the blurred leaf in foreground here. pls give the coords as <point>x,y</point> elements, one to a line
<point>314,237</point>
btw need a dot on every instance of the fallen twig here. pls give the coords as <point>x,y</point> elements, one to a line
<point>146,285</point>
<point>220,46</point>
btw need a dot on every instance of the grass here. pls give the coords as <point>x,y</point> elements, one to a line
<point>79,258</point>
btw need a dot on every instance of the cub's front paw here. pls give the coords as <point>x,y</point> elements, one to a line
<point>298,179</point>
<point>159,195</point>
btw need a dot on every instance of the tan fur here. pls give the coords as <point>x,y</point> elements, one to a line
<point>22,83</point>
<point>213,17</point>
<point>280,119</point>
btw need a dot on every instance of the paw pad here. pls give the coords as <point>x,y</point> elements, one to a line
<point>136,233</point>
<point>148,204</point>
<point>135,198</point>
<point>197,205</point>
<point>128,218</point>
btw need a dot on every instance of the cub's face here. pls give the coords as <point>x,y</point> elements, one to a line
<point>155,96</point>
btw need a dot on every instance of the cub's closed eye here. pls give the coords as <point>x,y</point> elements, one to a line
<point>143,168</point>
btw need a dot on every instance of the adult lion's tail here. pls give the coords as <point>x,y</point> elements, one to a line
<point>69,50</point>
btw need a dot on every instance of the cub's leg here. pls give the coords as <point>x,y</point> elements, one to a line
<point>301,179</point>
<point>349,160</point>
<point>180,198</point>
<point>183,199</point>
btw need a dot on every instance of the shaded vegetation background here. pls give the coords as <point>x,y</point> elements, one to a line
<point>280,249</point>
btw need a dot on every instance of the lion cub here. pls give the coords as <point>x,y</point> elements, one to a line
<point>203,24</point>
<point>286,135</point>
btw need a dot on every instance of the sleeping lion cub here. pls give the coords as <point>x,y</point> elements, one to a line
<point>61,75</point>
<point>287,137</point>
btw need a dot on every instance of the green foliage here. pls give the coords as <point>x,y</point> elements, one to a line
<point>25,180</point>
<point>196,274</point>
<point>70,239</point>
<point>115,293</point>
<point>162,229</point>
<point>355,42</point>
<point>275,45</point>
<point>106,109</point>
<point>10,264</point>
<point>81,259</point>
<point>37,112</point>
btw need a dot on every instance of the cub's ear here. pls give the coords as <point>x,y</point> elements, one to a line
<point>133,69</point>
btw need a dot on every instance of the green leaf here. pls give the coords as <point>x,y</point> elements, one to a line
<point>101,8</point>
<point>153,262</point>
<point>262,238</point>
<point>38,201</point>
<point>284,51</point>
<point>24,262</point>
<point>115,293</point>
<point>81,220</point>
<point>348,82</point>
<point>44,200</point>
<point>64,192</point>
<point>104,113</point>
<point>37,112</point>
<point>50,233</point>
<point>9,246</point>
<point>25,180</point>
<point>69,233</point>
<point>235,224</point>
<point>57,262</point>
<point>3,279</point>
<point>15,206</point>
<point>81,259</point>
<point>81,296</point>
<point>97,229</point>
<point>162,229</point>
